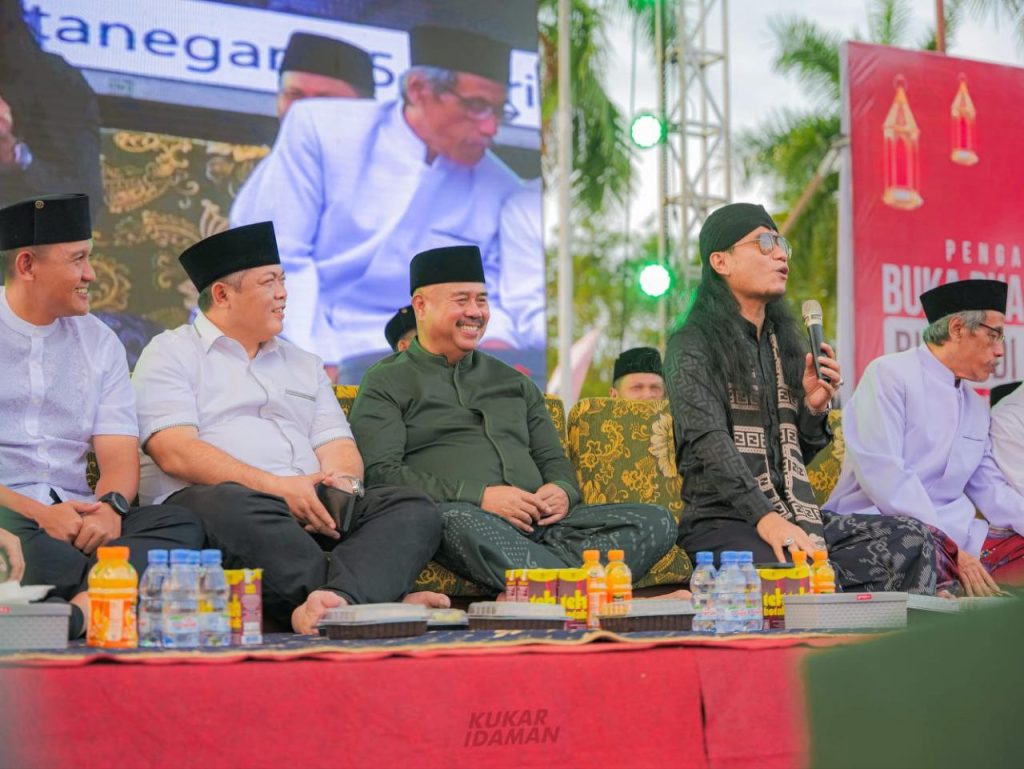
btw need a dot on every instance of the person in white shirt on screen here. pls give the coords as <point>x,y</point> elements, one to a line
<point>356,188</point>
<point>317,67</point>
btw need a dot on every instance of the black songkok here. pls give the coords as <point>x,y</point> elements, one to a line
<point>460,51</point>
<point>726,225</point>
<point>253,245</point>
<point>401,323</point>
<point>639,360</point>
<point>964,295</point>
<point>46,219</point>
<point>330,57</point>
<point>999,392</point>
<point>448,264</point>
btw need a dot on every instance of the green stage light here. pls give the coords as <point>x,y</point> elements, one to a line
<point>646,131</point>
<point>655,280</point>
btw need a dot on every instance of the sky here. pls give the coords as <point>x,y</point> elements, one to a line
<point>756,90</point>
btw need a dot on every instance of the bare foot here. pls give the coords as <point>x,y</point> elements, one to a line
<point>428,599</point>
<point>305,617</point>
<point>501,597</point>
<point>945,594</point>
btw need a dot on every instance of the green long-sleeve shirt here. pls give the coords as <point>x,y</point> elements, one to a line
<point>451,431</point>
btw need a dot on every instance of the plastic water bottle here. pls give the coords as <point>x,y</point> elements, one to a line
<point>702,585</point>
<point>728,595</point>
<point>151,601</point>
<point>181,599</point>
<point>214,624</point>
<point>754,616</point>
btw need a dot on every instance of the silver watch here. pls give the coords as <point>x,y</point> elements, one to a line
<point>357,485</point>
<point>22,155</point>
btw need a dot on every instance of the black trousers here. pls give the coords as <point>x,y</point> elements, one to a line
<point>871,553</point>
<point>49,561</point>
<point>395,531</point>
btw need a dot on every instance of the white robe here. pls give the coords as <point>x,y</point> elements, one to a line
<point>353,199</point>
<point>1007,433</point>
<point>917,444</point>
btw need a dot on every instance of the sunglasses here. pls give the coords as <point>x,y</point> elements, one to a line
<point>767,241</point>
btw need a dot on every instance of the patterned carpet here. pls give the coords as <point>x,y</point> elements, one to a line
<point>286,646</point>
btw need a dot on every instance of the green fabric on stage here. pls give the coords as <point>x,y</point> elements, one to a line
<point>945,694</point>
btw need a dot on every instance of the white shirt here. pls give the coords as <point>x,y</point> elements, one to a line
<point>917,444</point>
<point>62,384</point>
<point>521,285</point>
<point>271,411</point>
<point>1007,433</point>
<point>353,199</point>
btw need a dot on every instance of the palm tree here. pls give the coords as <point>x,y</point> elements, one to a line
<point>1011,11</point>
<point>788,148</point>
<point>602,154</point>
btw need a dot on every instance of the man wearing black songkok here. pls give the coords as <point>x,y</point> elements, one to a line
<point>318,67</point>
<point>638,375</point>
<point>401,329</point>
<point>66,393</point>
<point>749,413</point>
<point>917,441</point>
<point>243,428</point>
<point>475,435</point>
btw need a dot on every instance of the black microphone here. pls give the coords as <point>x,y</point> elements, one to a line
<point>811,310</point>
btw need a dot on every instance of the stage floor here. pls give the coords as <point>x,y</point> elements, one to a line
<point>510,699</point>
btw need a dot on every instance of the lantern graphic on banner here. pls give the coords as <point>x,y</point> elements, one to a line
<point>901,153</point>
<point>962,125</point>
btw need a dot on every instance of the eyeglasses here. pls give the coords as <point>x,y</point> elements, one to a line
<point>479,109</point>
<point>1000,334</point>
<point>767,241</point>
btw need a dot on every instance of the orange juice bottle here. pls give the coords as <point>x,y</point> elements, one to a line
<point>823,576</point>
<point>619,579</point>
<point>597,588</point>
<point>801,571</point>
<point>113,592</point>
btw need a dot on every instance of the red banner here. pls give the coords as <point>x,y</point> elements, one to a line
<point>929,187</point>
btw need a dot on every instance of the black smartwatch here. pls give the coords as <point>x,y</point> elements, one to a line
<point>117,501</point>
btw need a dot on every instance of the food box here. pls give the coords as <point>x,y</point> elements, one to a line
<point>505,615</point>
<point>32,626</point>
<point>375,620</point>
<point>648,615</point>
<point>846,611</point>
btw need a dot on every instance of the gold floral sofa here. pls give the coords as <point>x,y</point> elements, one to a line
<point>623,451</point>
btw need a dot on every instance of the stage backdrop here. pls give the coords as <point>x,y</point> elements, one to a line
<point>931,195</point>
<point>176,110</point>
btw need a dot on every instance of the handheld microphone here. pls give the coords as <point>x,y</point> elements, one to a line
<point>811,311</point>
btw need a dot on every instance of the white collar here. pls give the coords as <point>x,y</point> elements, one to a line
<point>19,324</point>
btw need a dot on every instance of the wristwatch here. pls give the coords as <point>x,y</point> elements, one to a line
<point>22,156</point>
<point>117,501</point>
<point>358,489</point>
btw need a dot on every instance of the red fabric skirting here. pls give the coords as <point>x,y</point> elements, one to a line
<point>689,706</point>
